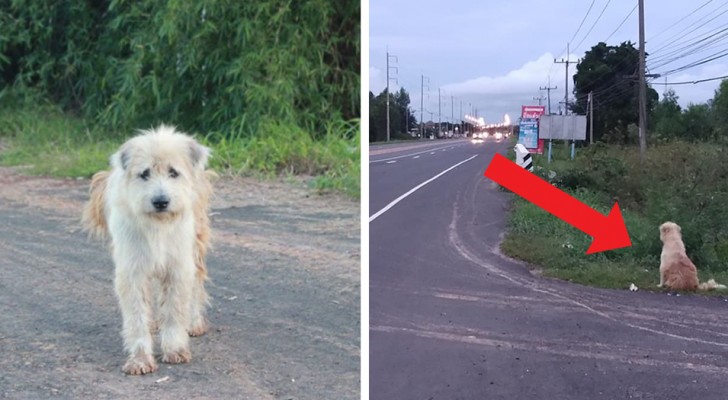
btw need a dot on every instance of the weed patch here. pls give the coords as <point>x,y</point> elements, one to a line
<point>681,182</point>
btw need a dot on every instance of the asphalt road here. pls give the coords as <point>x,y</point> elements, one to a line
<point>285,282</point>
<point>451,318</point>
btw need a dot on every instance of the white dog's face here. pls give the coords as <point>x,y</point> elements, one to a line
<point>160,170</point>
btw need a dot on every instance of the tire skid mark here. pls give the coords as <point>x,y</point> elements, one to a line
<point>472,296</point>
<point>429,333</point>
<point>563,293</point>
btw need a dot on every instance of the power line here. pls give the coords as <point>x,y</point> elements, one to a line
<point>681,20</point>
<point>691,82</point>
<point>676,38</point>
<point>582,22</point>
<point>573,36</point>
<point>594,24</point>
<point>712,57</point>
<point>621,23</point>
<point>691,48</point>
<point>602,12</point>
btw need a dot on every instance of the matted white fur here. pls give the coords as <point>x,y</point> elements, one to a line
<point>153,206</point>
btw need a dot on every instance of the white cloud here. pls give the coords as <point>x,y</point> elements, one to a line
<point>526,79</point>
<point>498,95</point>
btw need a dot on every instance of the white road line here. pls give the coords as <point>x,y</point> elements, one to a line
<point>408,155</point>
<point>416,157</point>
<point>391,162</point>
<point>416,188</point>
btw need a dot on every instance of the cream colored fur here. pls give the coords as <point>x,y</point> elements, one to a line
<point>676,269</point>
<point>159,256</point>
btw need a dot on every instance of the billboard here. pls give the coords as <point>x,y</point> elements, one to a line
<point>528,133</point>
<point>532,111</point>
<point>562,127</point>
<point>531,138</point>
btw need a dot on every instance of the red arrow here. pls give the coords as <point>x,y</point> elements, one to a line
<point>609,232</point>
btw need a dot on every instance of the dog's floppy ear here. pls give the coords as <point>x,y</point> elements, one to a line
<point>120,159</point>
<point>198,154</point>
<point>664,229</point>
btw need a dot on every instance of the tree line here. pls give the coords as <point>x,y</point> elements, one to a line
<point>610,74</point>
<point>403,124</point>
<point>401,118</point>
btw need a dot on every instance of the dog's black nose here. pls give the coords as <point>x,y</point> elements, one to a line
<point>160,203</point>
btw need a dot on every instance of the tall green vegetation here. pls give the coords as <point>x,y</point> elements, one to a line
<point>273,71</point>
<point>211,65</point>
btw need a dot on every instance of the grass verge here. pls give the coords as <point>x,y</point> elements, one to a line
<point>680,182</point>
<point>47,141</point>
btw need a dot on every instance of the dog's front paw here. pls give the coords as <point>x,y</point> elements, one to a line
<point>198,329</point>
<point>177,357</point>
<point>140,364</point>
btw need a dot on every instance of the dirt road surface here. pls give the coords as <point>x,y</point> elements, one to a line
<point>285,320</point>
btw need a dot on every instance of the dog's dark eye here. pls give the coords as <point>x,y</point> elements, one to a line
<point>145,174</point>
<point>173,173</point>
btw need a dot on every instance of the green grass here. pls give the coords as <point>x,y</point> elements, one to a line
<point>47,141</point>
<point>333,159</point>
<point>682,182</point>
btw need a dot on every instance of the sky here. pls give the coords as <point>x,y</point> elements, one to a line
<point>494,56</point>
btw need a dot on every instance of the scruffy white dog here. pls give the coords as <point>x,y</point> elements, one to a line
<point>153,205</point>
<point>676,269</point>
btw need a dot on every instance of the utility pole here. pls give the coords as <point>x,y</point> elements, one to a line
<point>548,90</point>
<point>566,89</point>
<point>539,98</point>
<point>591,117</point>
<point>422,105</point>
<point>462,127</point>
<point>439,114</point>
<point>431,117</point>
<point>643,84</point>
<point>388,79</point>
<point>452,111</point>
<point>406,120</point>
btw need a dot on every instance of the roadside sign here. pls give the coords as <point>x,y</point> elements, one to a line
<point>528,134</point>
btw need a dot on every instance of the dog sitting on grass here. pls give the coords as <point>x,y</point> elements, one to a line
<point>153,206</point>
<point>676,270</point>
